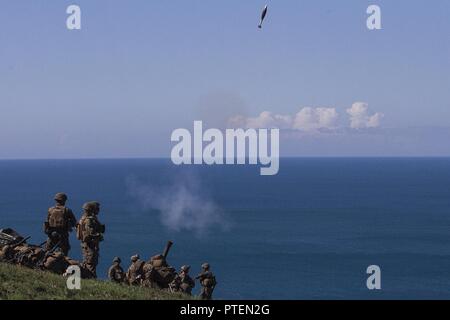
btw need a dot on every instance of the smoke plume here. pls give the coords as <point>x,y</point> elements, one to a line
<point>183,205</point>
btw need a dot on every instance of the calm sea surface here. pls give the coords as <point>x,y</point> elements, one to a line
<point>309,232</point>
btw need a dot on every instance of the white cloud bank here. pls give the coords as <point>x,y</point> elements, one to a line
<point>310,119</point>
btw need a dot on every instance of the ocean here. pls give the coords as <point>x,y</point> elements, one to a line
<point>309,232</point>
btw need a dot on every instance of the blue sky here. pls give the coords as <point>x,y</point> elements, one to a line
<point>140,69</point>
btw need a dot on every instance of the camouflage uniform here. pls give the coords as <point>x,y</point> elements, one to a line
<point>183,282</point>
<point>15,249</point>
<point>25,255</point>
<point>115,273</point>
<point>6,253</point>
<point>135,273</point>
<point>28,255</point>
<point>208,282</point>
<point>56,262</point>
<point>90,232</point>
<point>158,274</point>
<point>60,221</point>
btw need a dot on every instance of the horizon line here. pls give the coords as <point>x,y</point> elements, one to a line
<point>281,157</point>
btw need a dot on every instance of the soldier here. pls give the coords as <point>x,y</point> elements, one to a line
<point>157,272</point>
<point>60,221</point>
<point>15,249</point>
<point>55,262</point>
<point>58,263</point>
<point>135,273</point>
<point>208,282</point>
<point>90,232</point>
<point>183,282</point>
<point>115,273</point>
<point>28,255</point>
<point>9,253</point>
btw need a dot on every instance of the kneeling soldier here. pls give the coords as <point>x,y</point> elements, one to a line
<point>116,273</point>
<point>183,282</point>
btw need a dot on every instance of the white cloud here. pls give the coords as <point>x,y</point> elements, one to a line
<point>268,120</point>
<point>310,119</point>
<point>360,118</point>
<point>307,119</point>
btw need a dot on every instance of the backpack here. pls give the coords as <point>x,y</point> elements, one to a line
<point>56,263</point>
<point>81,229</point>
<point>57,217</point>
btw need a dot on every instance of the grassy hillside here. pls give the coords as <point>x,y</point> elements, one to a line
<point>25,284</point>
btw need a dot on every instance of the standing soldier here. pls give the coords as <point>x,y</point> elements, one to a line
<point>135,272</point>
<point>90,232</point>
<point>60,221</point>
<point>208,282</point>
<point>183,282</point>
<point>115,273</point>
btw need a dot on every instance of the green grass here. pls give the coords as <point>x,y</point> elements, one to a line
<point>19,283</point>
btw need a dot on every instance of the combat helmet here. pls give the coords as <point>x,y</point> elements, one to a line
<point>185,268</point>
<point>90,206</point>
<point>117,260</point>
<point>86,206</point>
<point>205,266</point>
<point>61,197</point>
